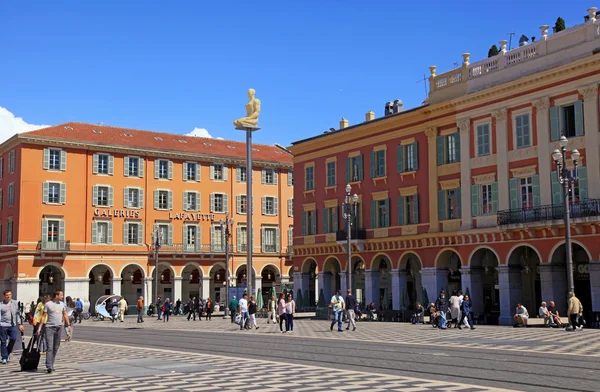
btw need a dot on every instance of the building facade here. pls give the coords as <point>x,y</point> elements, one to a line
<point>462,192</point>
<point>81,203</point>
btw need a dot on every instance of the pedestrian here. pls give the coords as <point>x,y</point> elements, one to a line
<point>281,312</point>
<point>178,307</point>
<point>243,309</point>
<point>290,309</point>
<point>252,308</point>
<point>167,307</point>
<point>574,312</point>
<point>233,307</point>
<point>208,309</point>
<point>200,308</point>
<point>122,309</point>
<point>140,308</point>
<point>466,312</point>
<point>114,310</point>
<point>350,305</point>
<point>417,315</point>
<point>192,308</point>
<point>272,310</point>
<point>10,321</point>
<point>441,305</point>
<point>78,310</point>
<point>37,318</point>
<point>56,313</point>
<point>159,307</point>
<point>337,304</point>
<point>521,316</point>
<point>454,308</point>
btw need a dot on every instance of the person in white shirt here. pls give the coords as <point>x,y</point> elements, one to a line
<point>543,313</point>
<point>337,304</point>
<point>243,309</point>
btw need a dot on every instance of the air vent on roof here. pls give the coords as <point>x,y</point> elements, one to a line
<point>69,128</point>
<point>97,131</point>
<point>254,149</point>
<point>157,137</point>
<point>182,141</point>
<point>230,146</point>
<point>207,144</point>
<point>128,134</point>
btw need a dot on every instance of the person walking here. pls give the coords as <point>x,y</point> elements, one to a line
<point>192,308</point>
<point>78,311</point>
<point>10,321</point>
<point>233,307</point>
<point>37,318</point>
<point>290,309</point>
<point>167,307</point>
<point>140,309</point>
<point>200,308</point>
<point>350,305</point>
<point>465,309</point>
<point>208,309</point>
<point>159,307</point>
<point>455,308</point>
<point>337,304</point>
<point>281,312</point>
<point>574,312</point>
<point>243,309</point>
<point>114,310</point>
<point>272,310</point>
<point>54,315</point>
<point>122,309</point>
<point>441,305</point>
<point>252,309</point>
<point>178,307</point>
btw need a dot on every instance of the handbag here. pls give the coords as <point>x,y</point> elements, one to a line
<point>238,319</point>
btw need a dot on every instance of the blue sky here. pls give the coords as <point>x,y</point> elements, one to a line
<point>176,65</point>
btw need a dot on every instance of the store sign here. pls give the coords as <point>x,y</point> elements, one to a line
<point>581,271</point>
<point>192,216</point>
<point>117,213</point>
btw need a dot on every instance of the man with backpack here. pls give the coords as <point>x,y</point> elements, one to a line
<point>10,321</point>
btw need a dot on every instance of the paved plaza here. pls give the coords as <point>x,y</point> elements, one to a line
<point>83,366</point>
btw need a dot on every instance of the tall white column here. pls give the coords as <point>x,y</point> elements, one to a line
<point>543,143</point>
<point>257,285</point>
<point>27,290</point>
<point>205,287</point>
<point>147,291</point>
<point>432,133</point>
<point>116,286</point>
<point>372,287</point>
<point>595,284</point>
<point>77,288</point>
<point>502,158</point>
<point>592,160</point>
<point>323,285</point>
<point>398,284</point>
<point>464,126</point>
<point>177,289</point>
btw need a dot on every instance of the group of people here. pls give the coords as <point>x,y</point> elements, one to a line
<point>551,315</point>
<point>244,311</point>
<point>198,306</point>
<point>117,309</point>
<point>457,309</point>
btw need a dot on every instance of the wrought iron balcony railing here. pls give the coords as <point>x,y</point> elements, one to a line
<point>193,248</point>
<point>357,234</point>
<point>584,209</point>
<point>56,246</point>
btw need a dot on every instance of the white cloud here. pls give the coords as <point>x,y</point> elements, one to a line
<point>9,125</point>
<point>199,132</point>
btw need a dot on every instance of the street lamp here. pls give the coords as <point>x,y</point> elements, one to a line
<point>225,223</point>
<point>156,239</point>
<point>567,180</point>
<point>349,212</point>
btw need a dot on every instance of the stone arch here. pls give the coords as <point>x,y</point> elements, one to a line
<point>58,266</point>
<point>192,264</point>
<point>163,264</point>
<point>520,244</point>
<point>270,265</point>
<point>573,242</point>
<point>470,259</point>
<point>122,270</point>
<point>441,262</point>
<point>108,267</point>
<point>403,260</point>
<point>305,266</point>
<point>239,268</point>
<point>377,256</point>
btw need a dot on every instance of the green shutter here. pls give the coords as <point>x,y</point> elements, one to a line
<point>170,200</point>
<point>238,174</point>
<point>95,164</point>
<point>126,166</point>
<point>359,163</point>
<point>94,232</point>
<point>63,193</point>
<point>556,188</point>
<point>140,233</point>
<point>111,196</point>
<point>94,195</point>
<point>212,238</point>
<point>170,234</point>
<point>494,197</point>
<point>125,236</point>
<point>416,209</point>
<point>46,164</point>
<point>373,164</point>
<point>554,123</point>
<point>583,183</point>
<point>303,223</point>
<point>61,231</point>
<point>399,163</point>
<point>197,174</point>
<point>442,205</point>
<point>474,200</point>
<point>456,137</point>
<point>225,203</point>
<point>415,151</point>
<point>314,222</point>
<point>514,195</point>
<point>373,214</point>
<point>170,170</point>
<point>140,167</point>
<point>440,150</point>
<point>109,236</point>
<point>325,219</point>
<point>197,201</point>
<point>388,211</point>
<point>401,210</point>
<point>348,170</point>
<point>212,171</point>
<point>44,233</point>
<point>277,240</point>
<point>185,201</point>
<point>156,198</point>
<point>63,160</point>
<point>458,194</point>
<point>156,168</point>
<point>275,177</point>
<point>535,187</point>
<point>212,202</point>
<point>579,129</point>
<point>141,198</point>
<point>334,219</point>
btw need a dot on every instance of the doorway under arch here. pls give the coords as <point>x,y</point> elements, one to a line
<point>51,278</point>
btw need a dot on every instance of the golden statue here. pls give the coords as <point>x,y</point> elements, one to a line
<point>252,112</point>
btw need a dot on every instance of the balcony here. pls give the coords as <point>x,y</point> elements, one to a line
<point>583,210</point>
<point>269,248</point>
<point>357,234</point>
<point>193,249</point>
<point>54,246</point>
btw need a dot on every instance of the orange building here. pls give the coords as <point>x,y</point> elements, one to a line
<point>80,204</point>
<point>462,192</point>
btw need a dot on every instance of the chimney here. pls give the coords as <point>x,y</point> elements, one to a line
<point>370,116</point>
<point>389,108</point>
<point>398,106</point>
<point>343,123</point>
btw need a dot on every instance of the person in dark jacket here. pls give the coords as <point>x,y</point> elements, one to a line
<point>167,307</point>
<point>465,308</point>
<point>441,304</point>
<point>192,308</point>
<point>209,307</point>
<point>417,316</point>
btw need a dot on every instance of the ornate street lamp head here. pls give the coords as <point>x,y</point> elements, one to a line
<point>575,155</point>
<point>563,141</point>
<point>348,188</point>
<point>556,155</point>
<point>355,198</point>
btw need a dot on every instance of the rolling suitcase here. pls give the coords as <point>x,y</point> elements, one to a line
<point>30,358</point>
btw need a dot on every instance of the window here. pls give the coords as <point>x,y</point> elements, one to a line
<point>102,196</point>
<point>1,204</point>
<point>309,222</point>
<point>1,167</point>
<point>133,167</point>
<point>9,232</point>
<point>242,204</point>
<point>483,139</point>
<point>218,202</point>
<point>526,192</point>
<point>163,169</point>
<point>242,239</point>
<point>449,206</point>
<point>216,239</point>
<point>380,213</point>
<point>53,230</point>
<point>133,234</point>
<point>53,234</point>
<point>407,158</point>
<point>11,194</point>
<point>191,201</point>
<point>486,199</point>
<point>567,120</point>
<point>378,164</point>
<point>101,232</point>
<point>567,114</point>
<point>330,219</point>
<point>408,210</point>
<point>269,176</point>
<point>270,239</point>
<point>523,131</point>
<point>218,172</point>
<point>134,198</point>
<point>354,168</point>
<point>12,158</point>
<point>270,205</point>
<point>290,237</point>
<point>190,237</point>
<point>577,193</point>
<point>103,164</point>
<point>191,171</point>
<point>54,193</point>
<point>241,174</point>
<point>165,233</point>
<point>291,178</point>
<point>331,173</point>
<point>163,200</point>
<point>52,159</point>
<point>448,149</point>
<point>310,178</point>
<point>290,206</point>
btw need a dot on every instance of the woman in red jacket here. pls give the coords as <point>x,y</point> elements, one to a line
<point>209,309</point>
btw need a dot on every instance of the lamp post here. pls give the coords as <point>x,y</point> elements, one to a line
<point>349,212</point>
<point>225,223</point>
<point>156,238</point>
<point>567,180</point>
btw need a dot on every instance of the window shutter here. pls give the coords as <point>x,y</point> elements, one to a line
<point>325,220</point>
<point>94,195</point>
<point>373,165</point>
<point>185,201</point>
<point>399,163</point>
<point>45,191</point>
<point>198,201</point>
<point>277,240</point>
<point>95,167</point>
<point>263,176</point>
<point>238,239</point>
<point>111,165</point>
<point>579,129</point>
<point>61,231</point>
<point>63,193</point>
<point>109,235</point>
<point>140,167</point>
<point>275,176</point>
<point>440,150</point>
<point>184,167</point>
<point>535,187</point>
<point>225,173</point>
<point>140,233</point>
<point>388,212</point>
<point>416,210</point>
<point>111,196</point>
<point>275,206</point>
<point>94,232</point>
<point>125,237</point>
<point>314,222</point>
<point>264,205</point>
<point>238,175</point>
<point>514,195</point>
<point>458,203</point>
<point>46,164</point>
<point>361,174</point>
<point>456,137</point>
<point>303,223</point>
<point>290,237</point>
<point>212,238</point>
<point>212,202</point>
<point>225,203</point>
<point>348,170</point>
<point>554,123</point>
<point>238,204</point>
<point>401,210</point>
<point>170,205</point>
<point>290,207</point>
<point>63,160</point>
<point>198,238</point>
<point>141,198</point>
<point>197,178</point>
<point>556,188</point>
<point>290,178</point>
<point>212,172</point>
<point>44,233</point>
<point>126,166</point>
<point>263,241</point>
<point>442,205</point>
<point>170,170</point>
<point>334,220</point>
<point>582,183</point>
<point>170,234</point>
<point>156,199</point>
<point>474,200</point>
<point>125,197</point>
<point>373,214</point>
<point>494,197</point>
<point>156,168</point>
<point>415,151</point>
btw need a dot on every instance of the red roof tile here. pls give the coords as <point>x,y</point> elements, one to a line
<point>124,137</point>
